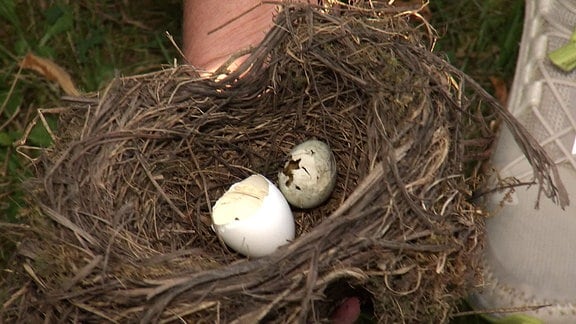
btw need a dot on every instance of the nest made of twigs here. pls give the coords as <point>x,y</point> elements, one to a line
<point>125,192</point>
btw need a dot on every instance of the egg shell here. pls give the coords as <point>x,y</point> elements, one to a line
<point>309,176</point>
<point>253,217</point>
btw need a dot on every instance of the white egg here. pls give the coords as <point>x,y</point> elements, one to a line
<point>253,217</point>
<point>309,176</point>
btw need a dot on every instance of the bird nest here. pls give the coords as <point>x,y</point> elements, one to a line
<point>123,232</point>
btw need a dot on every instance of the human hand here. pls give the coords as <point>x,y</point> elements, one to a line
<point>214,30</point>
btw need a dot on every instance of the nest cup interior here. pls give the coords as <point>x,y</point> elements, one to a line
<point>130,181</point>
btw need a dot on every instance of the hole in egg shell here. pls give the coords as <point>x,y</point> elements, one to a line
<point>290,166</point>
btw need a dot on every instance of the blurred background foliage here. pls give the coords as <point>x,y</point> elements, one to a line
<point>93,40</point>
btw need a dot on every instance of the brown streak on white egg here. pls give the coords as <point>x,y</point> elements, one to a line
<point>291,166</point>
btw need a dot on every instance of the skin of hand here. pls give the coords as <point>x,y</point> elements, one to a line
<point>215,29</point>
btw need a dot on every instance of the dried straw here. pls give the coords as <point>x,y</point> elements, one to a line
<point>124,196</point>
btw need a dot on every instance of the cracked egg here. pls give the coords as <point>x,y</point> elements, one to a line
<point>253,218</point>
<point>309,176</point>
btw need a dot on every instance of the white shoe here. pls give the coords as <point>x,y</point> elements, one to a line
<point>530,256</point>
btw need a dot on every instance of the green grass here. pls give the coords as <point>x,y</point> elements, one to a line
<point>481,37</point>
<point>94,41</point>
<point>97,40</point>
